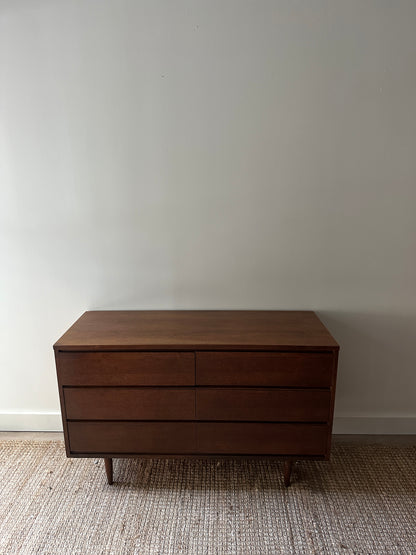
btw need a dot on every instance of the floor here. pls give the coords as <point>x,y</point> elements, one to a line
<point>362,501</point>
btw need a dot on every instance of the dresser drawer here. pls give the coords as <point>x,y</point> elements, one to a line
<point>262,439</point>
<point>307,405</point>
<point>131,437</point>
<point>125,368</point>
<point>264,369</point>
<point>129,403</point>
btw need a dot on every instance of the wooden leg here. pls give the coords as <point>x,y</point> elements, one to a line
<point>287,471</point>
<point>109,470</point>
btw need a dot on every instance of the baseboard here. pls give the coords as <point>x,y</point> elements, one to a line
<point>51,422</point>
<point>30,422</point>
<point>375,425</point>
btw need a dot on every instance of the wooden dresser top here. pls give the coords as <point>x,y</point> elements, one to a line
<point>111,330</point>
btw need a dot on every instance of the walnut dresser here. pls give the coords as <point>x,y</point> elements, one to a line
<point>197,383</point>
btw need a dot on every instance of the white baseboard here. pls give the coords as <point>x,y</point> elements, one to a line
<point>51,422</point>
<point>30,422</point>
<point>375,425</point>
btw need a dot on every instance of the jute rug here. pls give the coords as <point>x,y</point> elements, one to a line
<point>362,502</point>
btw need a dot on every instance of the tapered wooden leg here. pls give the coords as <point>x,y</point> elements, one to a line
<point>287,471</point>
<point>109,470</point>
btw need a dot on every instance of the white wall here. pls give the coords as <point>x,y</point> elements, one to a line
<point>210,154</point>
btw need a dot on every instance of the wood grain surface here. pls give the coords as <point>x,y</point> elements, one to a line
<point>126,368</point>
<point>267,404</point>
<point>129,403</point>
<point>196,329</point>
<point>264,369</point>
<point>261,438</point>
<point>132,437</point>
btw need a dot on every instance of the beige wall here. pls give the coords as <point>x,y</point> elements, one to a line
<point>215,154</point>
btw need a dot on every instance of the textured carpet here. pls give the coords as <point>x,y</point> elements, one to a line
<point>363,501</point>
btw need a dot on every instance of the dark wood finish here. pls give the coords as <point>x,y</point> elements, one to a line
<point>197,383</point>
<point>108,462</point>
<point>129,403</point>
<point>62,403</point>
<point>132,437</point>
<point>264,369</point>
<point>287,471</point>
<point>302,405</point>
<point>120,368</point>
<point>261,438</point>
<point>332,401</point>
<point>196,329</point>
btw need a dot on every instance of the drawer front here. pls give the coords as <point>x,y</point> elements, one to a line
<point>129,403</point>
<point>264,369</point>
<point>131,437</point>
<point>262,439</point>
<point>307,405</point>
<point>126,368</point>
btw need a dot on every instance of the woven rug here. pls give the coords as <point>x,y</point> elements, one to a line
<point>363,501</point>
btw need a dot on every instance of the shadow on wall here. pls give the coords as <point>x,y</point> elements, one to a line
<point>377,363</point>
